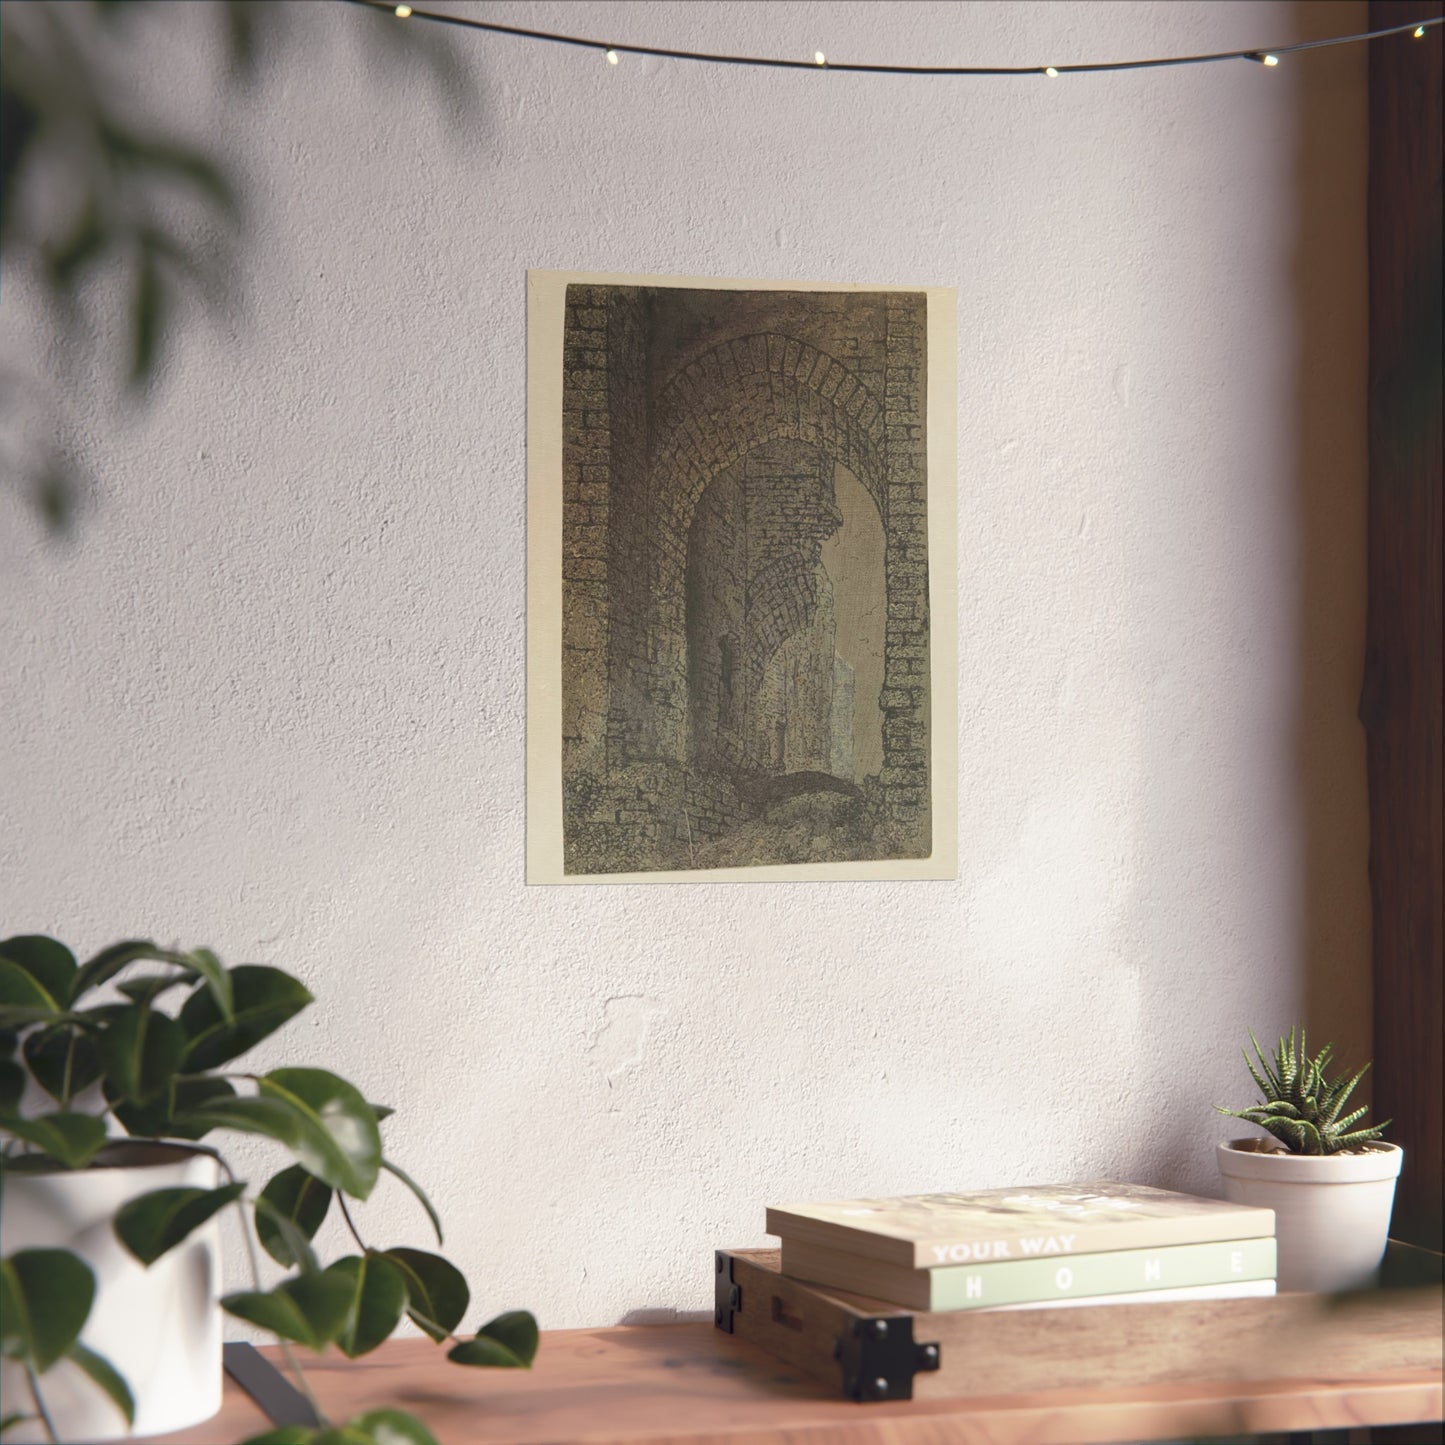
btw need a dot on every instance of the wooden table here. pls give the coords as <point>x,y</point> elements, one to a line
<point>669,1384</point>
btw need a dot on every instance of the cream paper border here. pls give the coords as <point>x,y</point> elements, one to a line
<point>546,313</point>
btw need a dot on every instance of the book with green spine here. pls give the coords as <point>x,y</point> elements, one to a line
<point>923,1231</point>
<point>1034,1281</point>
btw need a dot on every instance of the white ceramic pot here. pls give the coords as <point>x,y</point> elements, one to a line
<point>1331,1211</point>
<point>160,1327</point>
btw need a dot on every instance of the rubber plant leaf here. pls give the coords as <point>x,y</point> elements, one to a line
<point>420,1193</point>
<point>51,964</point>
<point>165,1116</point>
<point>72,1139</point>
<point>340,1143</point>
<point>310,1310</point>
<point>507,1342</point>
<point>303,1257</point>
<point>263,998</point>
<point>64,1061</point>
<point>12,1086</point>
<point>141,1051</point>
<point>23,999</point>
<point>109,962</point>
<point>104,1374</point>
<point>392,1427</point>
<point>378,1296</point>
<point>437,1292</point>
<point>47,1294</point>
<point>298,1197</point>
<point>152,1224</point>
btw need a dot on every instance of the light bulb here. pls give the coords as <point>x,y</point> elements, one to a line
<point>1419,32</point>
<point>612,57</point>
<point>1051,72</point>
<point>1271,60</point>
<point>818,58</point>
<point>402,11</point>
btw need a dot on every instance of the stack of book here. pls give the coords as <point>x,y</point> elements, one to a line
<point>1031,1247</point>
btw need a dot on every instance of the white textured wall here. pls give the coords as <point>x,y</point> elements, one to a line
<point>271,696</point>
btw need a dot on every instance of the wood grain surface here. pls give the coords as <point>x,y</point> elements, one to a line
<point>669,1384</point>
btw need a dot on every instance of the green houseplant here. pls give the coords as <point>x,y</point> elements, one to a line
<point>1331,1184</point>
<point>88,1051</point>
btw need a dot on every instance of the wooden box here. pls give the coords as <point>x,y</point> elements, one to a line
<point>871,1350</point>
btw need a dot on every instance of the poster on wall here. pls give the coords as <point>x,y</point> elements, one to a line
<point>741,580</point>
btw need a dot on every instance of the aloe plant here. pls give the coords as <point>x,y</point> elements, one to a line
<point>1301,1107</point>
<point>169,1075</point>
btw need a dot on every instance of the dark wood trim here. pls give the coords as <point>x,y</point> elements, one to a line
<point>1401,699</point>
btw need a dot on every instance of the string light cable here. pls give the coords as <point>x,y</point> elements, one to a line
<point>612,51</point>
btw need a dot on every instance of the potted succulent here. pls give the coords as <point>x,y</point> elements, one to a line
<point>1331,1185</point>
<point>113,1086</point>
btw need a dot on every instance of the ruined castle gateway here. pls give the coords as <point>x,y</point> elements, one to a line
<point>745,628</point>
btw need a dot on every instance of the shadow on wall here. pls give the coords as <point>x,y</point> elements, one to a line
<point>1323,901</point>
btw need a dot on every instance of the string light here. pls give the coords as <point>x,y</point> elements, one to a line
<point>1260,56</point>
<point>612,57</point>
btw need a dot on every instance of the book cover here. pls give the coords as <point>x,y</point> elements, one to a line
<point>1031,1281</point>
<point>925,1231</point>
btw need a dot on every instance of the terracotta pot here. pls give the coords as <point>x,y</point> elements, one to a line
<point>160,1327</point>
<point>1331,1211</point>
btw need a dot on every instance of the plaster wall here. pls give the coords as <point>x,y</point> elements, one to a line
<point>270,694</point>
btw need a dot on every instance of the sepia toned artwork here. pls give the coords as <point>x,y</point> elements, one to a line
<point>746,632</point>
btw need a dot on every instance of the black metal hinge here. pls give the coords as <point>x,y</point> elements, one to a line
<point>880,1358</point>
<point>727,1296</point>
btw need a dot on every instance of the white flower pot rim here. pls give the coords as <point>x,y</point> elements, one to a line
<point>1255,1158</point>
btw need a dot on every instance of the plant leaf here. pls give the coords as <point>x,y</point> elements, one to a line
<point>46,1297</point>
<point>280,1116</point>
<point>310,1310</point>
<point>73,1139</point>
<point>104,1374</point>
<point>378,1296</point>
<point>416,1189</point>
<point>151,1224</point>
<point>165,1115</point>
<point>12,1086</point>
<point>437,1293</point>
<point>210,968</point>
<point>392,1427</point>
<point>340,1143</point>
<point>23,999</point>
<point>296,1243</point>
<point>264,998</point>
<point>109,962</point>
<point>46,1053</point>
<point>141,1051</point>
<point>148,989</point>
<point>507,1342</point>
<point>298,1197</point>
<point>11,1421</point>
<point>50,964</point>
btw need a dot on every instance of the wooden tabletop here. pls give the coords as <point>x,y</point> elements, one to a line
<point>694,1385</point>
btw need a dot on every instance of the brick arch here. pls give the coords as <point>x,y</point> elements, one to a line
<point>740,395</point>
<point>784,600</point>
<point>750,391</point>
